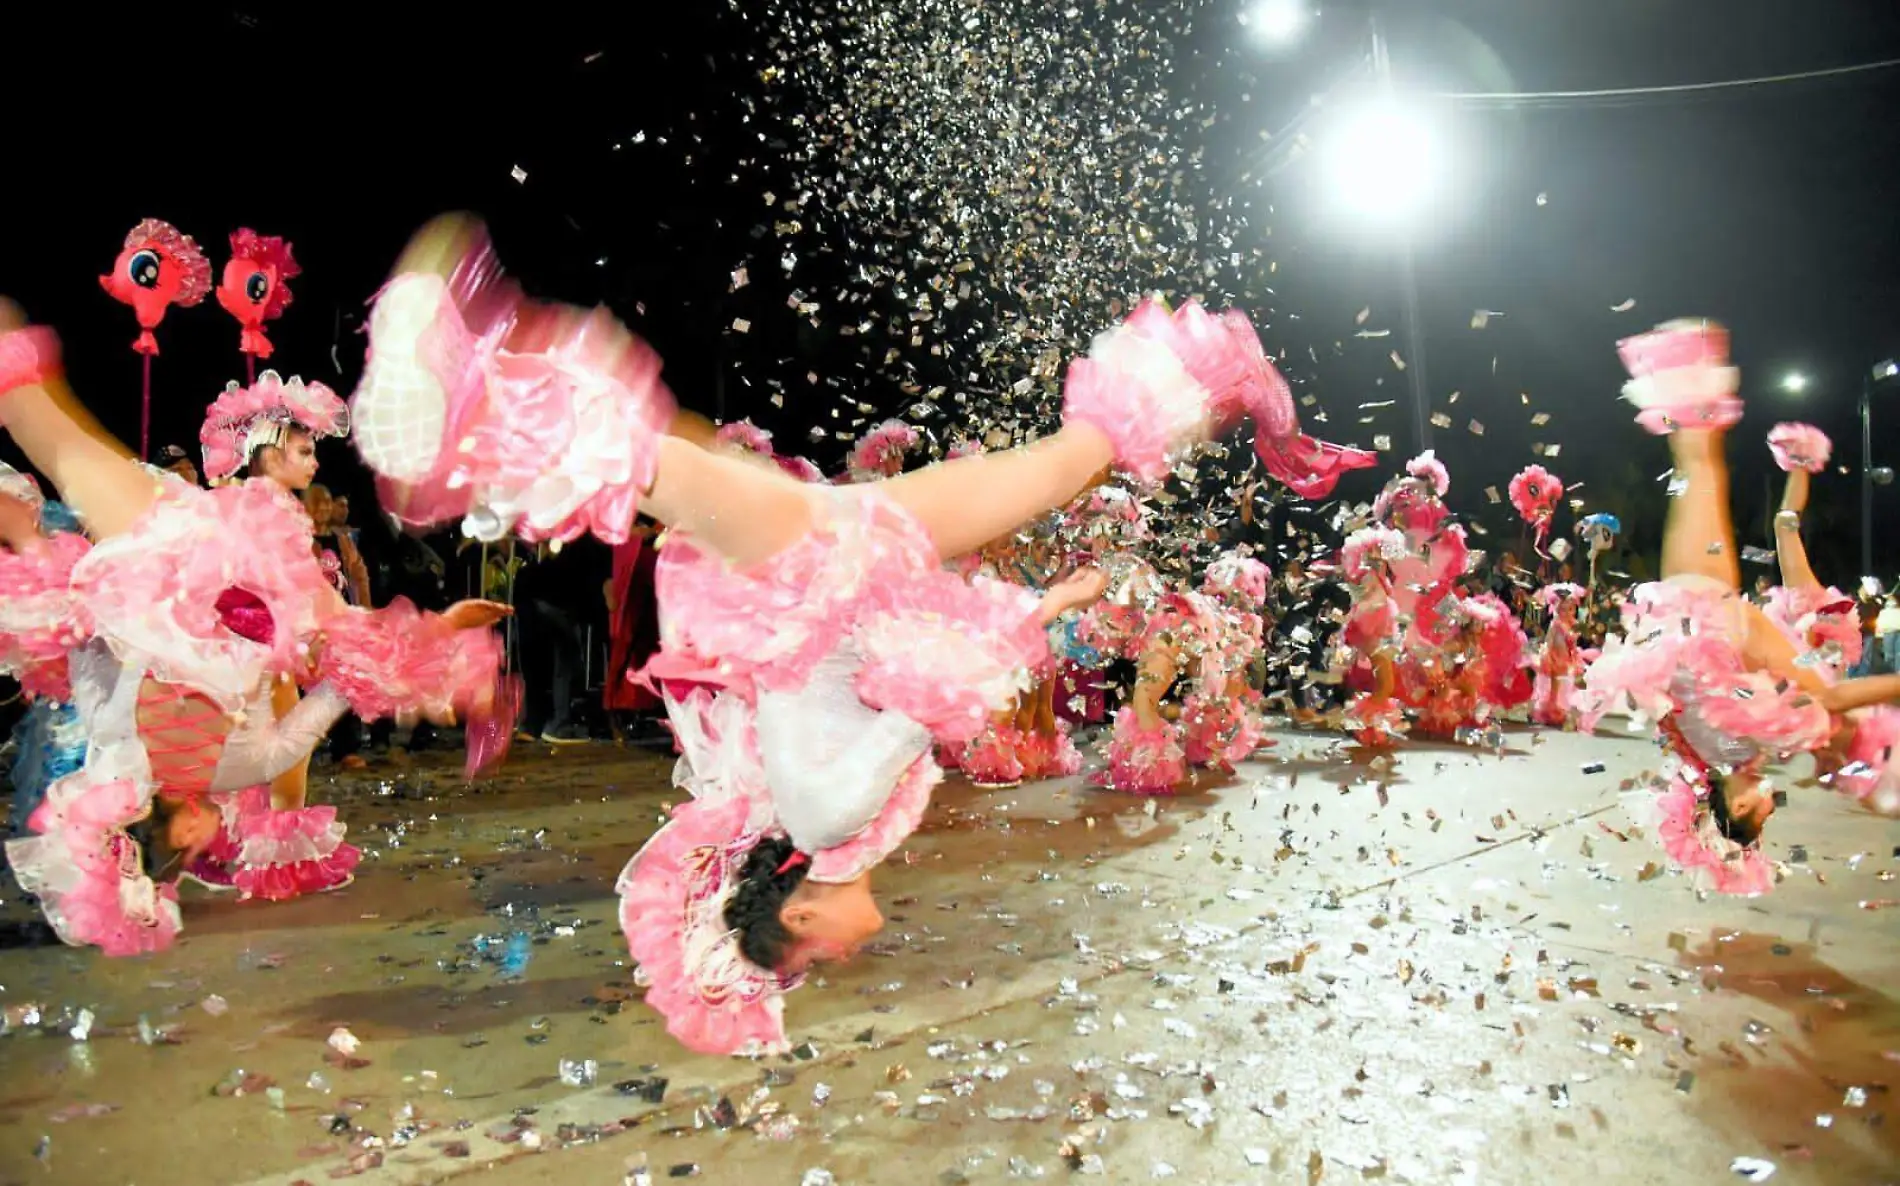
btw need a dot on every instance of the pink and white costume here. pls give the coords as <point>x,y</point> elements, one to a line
<point>1558,660</point>
<point>205,601</point>
<point>159,601</point>
<point>1680,660</point>
<point>811,684</point>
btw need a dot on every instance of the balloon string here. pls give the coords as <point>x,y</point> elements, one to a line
<point>145,416</point>
<point>250,370</point>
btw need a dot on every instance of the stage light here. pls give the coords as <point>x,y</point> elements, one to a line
<point>1382,161</point>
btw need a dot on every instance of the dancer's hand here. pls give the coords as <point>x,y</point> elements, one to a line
<point>1079,588</point>
<point>475,614</point>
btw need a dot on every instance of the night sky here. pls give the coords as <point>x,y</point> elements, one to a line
<point>647,150</point>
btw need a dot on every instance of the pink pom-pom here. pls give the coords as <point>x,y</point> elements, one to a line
<point>1370,549</point>
<point>746,435</point>
<point>1427,468</point>
<point>1800,446</point>
<point>880,452</point>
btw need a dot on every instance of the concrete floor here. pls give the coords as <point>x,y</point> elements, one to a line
<point>1461,968</point>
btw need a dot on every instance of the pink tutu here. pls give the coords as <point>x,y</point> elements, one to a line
<point>87,872</point>
<point>936,648</point>
<point>1799,446</point>
<point>1143,761</point>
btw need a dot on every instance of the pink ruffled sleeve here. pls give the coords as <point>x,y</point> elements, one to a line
<point>948,654</point>
<point>386,660</point>
<point>41,618</point>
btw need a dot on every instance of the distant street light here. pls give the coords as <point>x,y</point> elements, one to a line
<point>1794,383</point>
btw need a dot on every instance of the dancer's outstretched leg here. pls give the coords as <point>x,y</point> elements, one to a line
<point>92,472</point>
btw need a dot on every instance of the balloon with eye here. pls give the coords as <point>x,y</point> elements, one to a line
<point>1598,532</point>
<point>254,288</point>
<point>158,267</point>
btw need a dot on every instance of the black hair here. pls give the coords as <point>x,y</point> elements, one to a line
<point>754,908</point>
<point>1732,827</point>
<point>159,858</point>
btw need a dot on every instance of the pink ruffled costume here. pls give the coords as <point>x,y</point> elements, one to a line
<point>813,684</point>
<point>1559,661</point>
<point>212,594</point>
<point>810,689</point>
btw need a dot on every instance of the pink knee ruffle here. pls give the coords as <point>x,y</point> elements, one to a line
<point>1143,761</point>
<point>992,759</point>
<point>512,416</point>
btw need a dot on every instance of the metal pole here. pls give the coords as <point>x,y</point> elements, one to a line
<point>1408,273</point>
<point>1866,474</point>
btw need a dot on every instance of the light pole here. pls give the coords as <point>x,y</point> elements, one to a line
<point>1408,271</point>
<point>1884,371</point>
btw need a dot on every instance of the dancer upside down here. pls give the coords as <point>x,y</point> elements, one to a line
<point>813,642</point>
<point>1727,686</point>
<point>168,625</point>
<point>1862,758</point>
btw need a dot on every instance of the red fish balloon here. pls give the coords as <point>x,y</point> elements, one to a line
<point>254,288</point>
<point>158,268</point>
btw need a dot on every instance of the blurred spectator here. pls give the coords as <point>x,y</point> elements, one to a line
<point>179,462</point>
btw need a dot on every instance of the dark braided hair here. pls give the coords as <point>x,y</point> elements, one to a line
<point>161,860</point>
<point>753,910</point>
<point>1733,827</point>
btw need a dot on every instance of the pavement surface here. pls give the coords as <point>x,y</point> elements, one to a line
<point>1454,966</point>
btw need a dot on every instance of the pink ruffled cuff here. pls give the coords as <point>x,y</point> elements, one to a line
<point>386,660</point>
<point>41,617</point>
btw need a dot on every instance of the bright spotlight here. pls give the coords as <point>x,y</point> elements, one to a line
<point>1795,383</point>
<point>1382,161</point>
<point>1277,21</point>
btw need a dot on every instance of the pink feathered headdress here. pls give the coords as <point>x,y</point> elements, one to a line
<point>1239,577</point>
<point>1369,547</point>
<point>880,453</point>
<point>1427,468</point>
<point>673,897</point>
<point>1550,595</point>
<point>1800,446</point>
<point>743,434</point>
<point>245,418</point>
